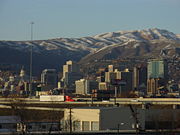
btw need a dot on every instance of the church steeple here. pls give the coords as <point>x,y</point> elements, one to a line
<point>22,72</point>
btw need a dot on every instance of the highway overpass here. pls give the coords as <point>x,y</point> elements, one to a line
<point>89,101</point>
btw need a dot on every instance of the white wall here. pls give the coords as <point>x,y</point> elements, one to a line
<point>81,115</point>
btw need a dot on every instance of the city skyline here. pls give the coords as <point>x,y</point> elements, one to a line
<point>66,18</point>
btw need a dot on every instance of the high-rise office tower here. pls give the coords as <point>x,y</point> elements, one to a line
<point>70,67</point>
<point>49,77</point>
<point>85,86</point>
<point>70,78</point>
<point>157,76</point>
<point>126,76</point>
<point>71,73</point>
<point>152,86</point>
<point>157,69</point>
<point>109,76</point>
<point>80,86</point>
<point>101,77</point>
<point>139,77</point>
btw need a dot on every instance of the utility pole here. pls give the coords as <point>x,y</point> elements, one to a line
<point>30,72</point>
<point>118,128</point>
<point>70,120</point>
<point>137,125</point>
<point>92,95</point>
<point>115,94</point>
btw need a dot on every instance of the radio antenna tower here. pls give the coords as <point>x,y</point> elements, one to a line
<point>31,60</point>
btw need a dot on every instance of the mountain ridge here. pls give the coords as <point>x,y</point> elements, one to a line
<point>54,52</point>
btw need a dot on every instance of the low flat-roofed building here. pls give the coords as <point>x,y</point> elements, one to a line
<point>9,123</point>
<point>42,126</point>
<point>120,118</point>
<point>162,119</point>
<point>102,118</point>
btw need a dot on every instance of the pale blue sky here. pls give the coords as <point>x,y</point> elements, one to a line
<point>80,18</point>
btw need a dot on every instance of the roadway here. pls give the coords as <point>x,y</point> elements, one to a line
<point>135,101</point>
<point>101,132</point>
<point>35,104</point>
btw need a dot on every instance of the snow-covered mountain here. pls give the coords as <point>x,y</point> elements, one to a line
<point>54,52</point>
<point>135,49</point>
<point>140,35</point>
<point>93,43</point>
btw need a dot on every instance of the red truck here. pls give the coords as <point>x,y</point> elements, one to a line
<point>68,99</point>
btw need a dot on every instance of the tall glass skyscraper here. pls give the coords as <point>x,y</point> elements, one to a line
<point>157,69</point>
<point>157,76</point>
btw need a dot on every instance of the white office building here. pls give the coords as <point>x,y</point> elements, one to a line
<point>85,86</point>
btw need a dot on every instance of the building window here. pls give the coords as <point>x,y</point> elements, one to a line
<point>94,125</point>
<point>15,126</point>
<point>29,127</point>
<point>0,126</point>
<point>77,125</point>
<point>43,126</point>
<point>85,125</point>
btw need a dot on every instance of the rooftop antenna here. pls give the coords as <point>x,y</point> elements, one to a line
<point>31,49</point>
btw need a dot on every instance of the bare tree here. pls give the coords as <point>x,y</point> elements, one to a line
<point>18,108</point>
<point>54,116</point>
<point>70,122</point>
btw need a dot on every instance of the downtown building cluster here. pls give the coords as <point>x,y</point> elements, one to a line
<point>148,80</point>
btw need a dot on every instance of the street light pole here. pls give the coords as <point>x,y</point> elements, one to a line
<point>31,49</point>
<point>115,95</point>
